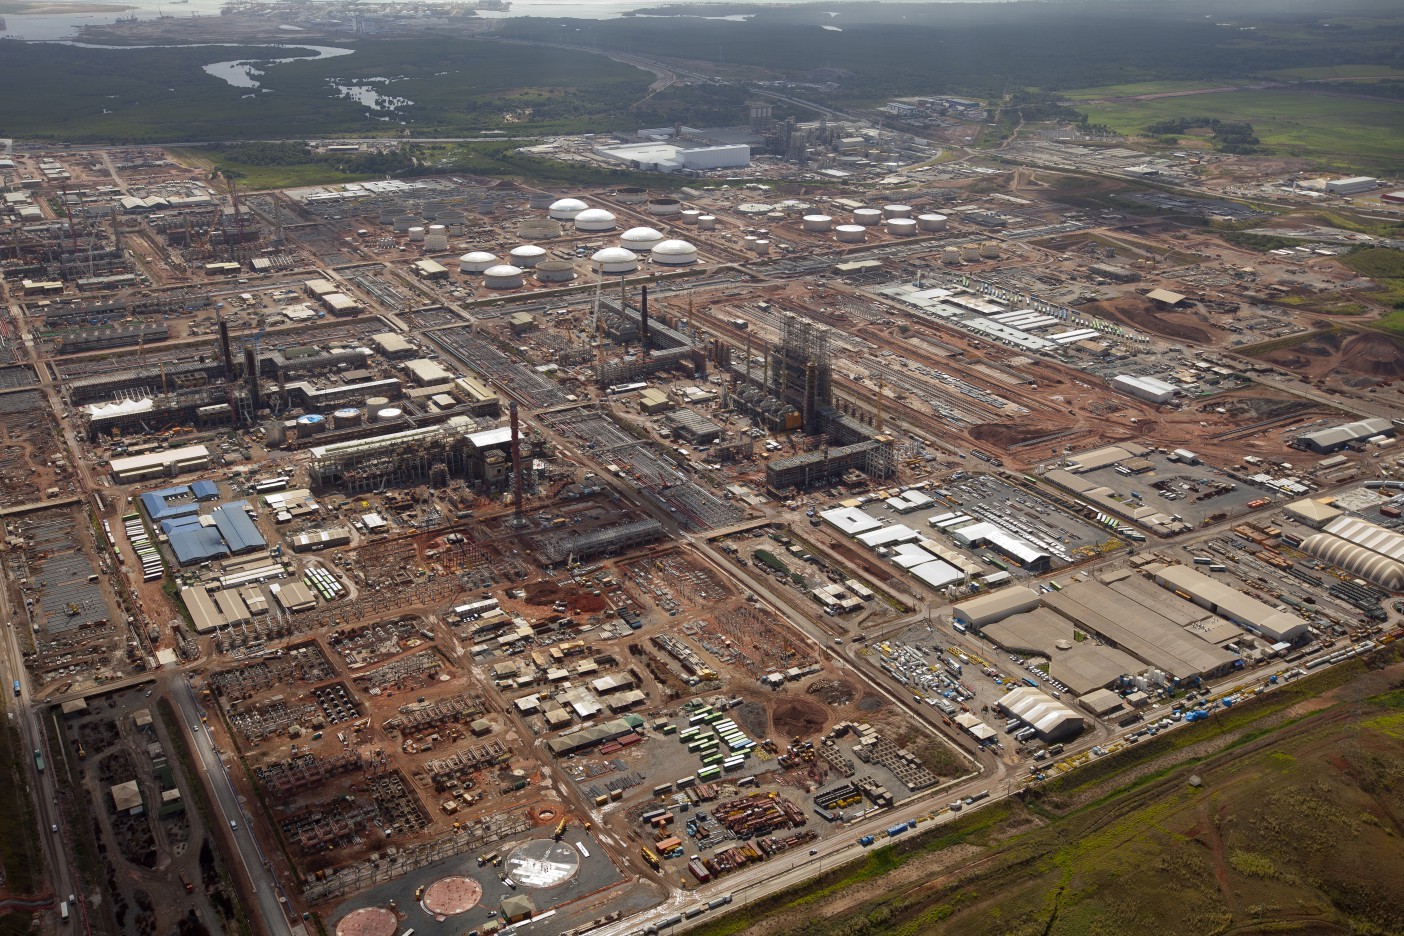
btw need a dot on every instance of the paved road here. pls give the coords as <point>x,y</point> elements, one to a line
<point>226,801</point>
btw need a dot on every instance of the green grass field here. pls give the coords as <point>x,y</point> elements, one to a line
<point>1341,132</point>
<point>1141,87</point>
<point>256,178</point>
<point>1341,71</point>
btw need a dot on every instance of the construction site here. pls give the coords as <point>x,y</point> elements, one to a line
<point>538,553</point>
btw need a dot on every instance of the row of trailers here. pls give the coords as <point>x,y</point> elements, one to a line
<point>322,582</point>
<point>152,568</point>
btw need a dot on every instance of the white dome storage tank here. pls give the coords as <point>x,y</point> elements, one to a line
<point>867,217</point>
<point>931,222</point>
<point>707,222</point>
<point>503,276</point>
<point>416,235</point>
<point>690,216</point>
<point>566,209</point>
<point>594,219</point>
<point>526,256</point>
<point>389,414</point>
<point>902,227</point>
<point>476,261</point>
<point>615,260</point>
<point>851,233</point>
<point>896,211</point>
<point>818,222</point>
<point>555,271</point>
<point>674,253</point>
<point>640,239</point>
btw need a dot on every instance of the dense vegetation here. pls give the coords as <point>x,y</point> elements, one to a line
<point>1227,136</point>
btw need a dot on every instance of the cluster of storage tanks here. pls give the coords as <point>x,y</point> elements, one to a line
<point>897,220</point>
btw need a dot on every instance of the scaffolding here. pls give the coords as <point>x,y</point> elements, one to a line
<point>799,369</point>
<point>602,542</point>
<point>433,453</point>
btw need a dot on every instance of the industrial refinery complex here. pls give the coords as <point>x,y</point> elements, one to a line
<point>453,554</point>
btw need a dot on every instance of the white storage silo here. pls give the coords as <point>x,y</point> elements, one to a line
<point>867,217</point>
<point>594,219</point>
<point>674,253</point>
<point>761,247</point>
<point>404,222</point>
<point>707,222</point>
<point>896,211</point>
<point>931,222</point>
<point>851,233</point>
<point>555,271</point>
<point>416,234</point>
<point>526,256</point>
<point>640,239</point>
<point>818,222</point>
<point>631,195</point>
<point>690,216</point>
<point>503,276</point>
<point>617,260</point>
<point>389,414</point>
<point>436,238</point>
<point>476,261</point>
<point>566,209</point>
<point>902,227</point>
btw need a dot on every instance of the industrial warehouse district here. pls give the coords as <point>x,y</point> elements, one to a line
<point>460,555</point>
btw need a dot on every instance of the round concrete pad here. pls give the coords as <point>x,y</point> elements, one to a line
<point>368,921</point>
<point>452,895</point>
<point>542,863</point>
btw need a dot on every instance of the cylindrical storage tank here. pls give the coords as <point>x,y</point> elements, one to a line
<point>311,424</point>
<point>707,222</point>
<point>818,223</point>
<point>387,218</point>
<point>990,250</point>
<point>970,254</point>
<point>539,202</point>
<point>664,206</point>
<point>640,239</point>
<point>526,256</point>
<point>275,433</point>
<point>761,247</point>
<point>931,222</point>
<point>555,271</point>
<point>615,260</point>
<point>749,242</point>
<point>346,417</point>
<point>631,195</point>
<point>389,414</point>
<point>896,211</point>
<point>374,405</point>
<point>503,276</point>
<point>950,255</point>
<point>416,235</point>
<point>775,217</point>
<point>690,216</point>
<point>476,261</point>
<point>674,253</point>
<point>867,217</point>
<point>436,238</point>
<point>404,222</point>
<point>902,227</point>
<point>594,219</point>
<point>851,233</point>
<point>566,209</point>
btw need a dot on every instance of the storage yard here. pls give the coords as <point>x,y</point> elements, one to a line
<point>529,554</point>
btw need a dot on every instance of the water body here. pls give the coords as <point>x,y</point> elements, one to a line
<point>368,96</point>
<point>245,73</point>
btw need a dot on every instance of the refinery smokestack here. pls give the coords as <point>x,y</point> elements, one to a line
<point>251,378</point>
<point>516,459</point>
<point>643,321</point>
<point>225,350</point>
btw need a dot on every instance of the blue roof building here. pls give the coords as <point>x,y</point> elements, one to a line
<point>170,502</point>
<point>236,527</point>
<point>204,490</point>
